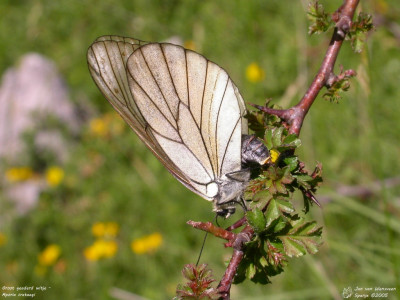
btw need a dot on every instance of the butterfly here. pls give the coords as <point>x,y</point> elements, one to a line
<point>186,110</point>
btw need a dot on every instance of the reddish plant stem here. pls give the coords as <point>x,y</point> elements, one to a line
<point>238,245</point>
<point>237,224</point>
<point>224,286</point>
<point>214,230</point>
<point>295,115</point>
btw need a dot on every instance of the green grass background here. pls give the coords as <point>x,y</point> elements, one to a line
<point>357,141</point>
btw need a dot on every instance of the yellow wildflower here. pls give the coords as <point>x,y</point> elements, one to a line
<point>110,124</point>
<point>189,44</point>
<point>100,249</point>
<point>98,127</point>
<point>49,255</point>
<point>54,175</point>
<point>254,73</point>
<point>109,248</point>
<point>19,174</point>
<point>109,229</point>
<point>98,229</point>
<point>147,243</point>
<point>274,155</point>
<point>3,239</point>
<point>91,253</point>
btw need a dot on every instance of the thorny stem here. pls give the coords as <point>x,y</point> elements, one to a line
<point>295,115</point>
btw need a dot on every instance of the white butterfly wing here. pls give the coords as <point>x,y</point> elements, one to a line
<point>107,59</point>
<point>184,107</point>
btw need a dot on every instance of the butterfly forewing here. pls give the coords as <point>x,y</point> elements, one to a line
<point>184,107</point>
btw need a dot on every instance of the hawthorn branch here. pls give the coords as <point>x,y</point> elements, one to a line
<point>293,117</point>
<point>237,244</point>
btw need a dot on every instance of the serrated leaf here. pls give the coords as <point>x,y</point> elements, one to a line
<point>250,271</point>
<point>287,177</point>
<point>292,162</point>
<point>275,209</point>
<point>285,206</point>
<point>256,219</point>
<point>358,41</point>
<point>319,20</point>
<point>272,213</point>
<point>260,199</point>
<point>303,237</point>
<point>290,138</point>
<point>303,177</point>
<point>291,141</point>
<point>268,139</point>
<point>304,180</point>
<point>262,196</point>
<point>263,262</point>
<point>307,228</point>
<point>280,188</point>
<point>293,247</point>
<point>277,136</point>
<point>358,31</point>
<point>280,225</point>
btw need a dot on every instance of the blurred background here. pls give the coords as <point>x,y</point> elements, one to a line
<point>87,212</point>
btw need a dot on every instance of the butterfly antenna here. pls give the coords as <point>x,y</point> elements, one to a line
<point>201,250</point>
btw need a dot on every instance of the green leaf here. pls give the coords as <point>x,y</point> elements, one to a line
<point>280,225</point>
<point>277,208</point>
<point>251,271</point>
<point>290,138</point>
<point>280,187</point>
<point>303,177</point>
<point>256,219</point>
<point>277,136</point>
<point>292,162</point>
<point>357,43</point>
<point>291,141</point>
<point>256,122</point>
<point>260,199</point>
<point>358,31</point>
<point>272,213</point>
<point>320,21</point>
<point>302,238</point>
<point>285,206</point>
<point>293,247</point>
<point>304,180</point>
<point>268,139</point>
